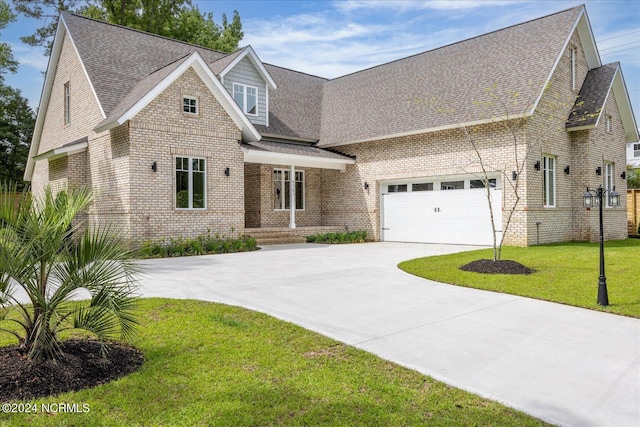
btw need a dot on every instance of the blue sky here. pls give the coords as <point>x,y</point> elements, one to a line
<point>333,38</point>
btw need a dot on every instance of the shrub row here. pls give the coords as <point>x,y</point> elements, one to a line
<point>201,245</point>
<point>356,236</point>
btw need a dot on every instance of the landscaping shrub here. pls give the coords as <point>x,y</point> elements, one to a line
<point>202,245</point>
<point>356,236</point>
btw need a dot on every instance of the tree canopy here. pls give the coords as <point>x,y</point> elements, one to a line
<point>17,121</point>
<point>7,63</point>
<point>176,19</point>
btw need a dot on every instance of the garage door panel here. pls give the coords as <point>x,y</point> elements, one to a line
<point>446,216</point>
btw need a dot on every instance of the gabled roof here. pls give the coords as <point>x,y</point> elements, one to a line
<point>118,58</point>
<point>599,84</point>
<point>150,87</point>
<point>250,54</point>
<point>593,95</point>
<point>393,99</point>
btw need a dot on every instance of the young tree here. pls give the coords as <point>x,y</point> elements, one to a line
<point>17,121</point>
<point>50,255</point>
<point>176,19</point>
<point>514,125</point>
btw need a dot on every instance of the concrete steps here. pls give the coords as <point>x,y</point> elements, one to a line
<point>282,236</point>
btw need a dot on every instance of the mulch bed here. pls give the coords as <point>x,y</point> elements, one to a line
<point>81,367</point>
<point>489,266</point>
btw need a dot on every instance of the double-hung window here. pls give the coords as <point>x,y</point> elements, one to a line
<point>190,183</point>
<point>281,189</point>
<point>67,103</point>
<point>608,182</point>
<point>636,150</point>
<point>549,192</point>
<point>247,98</point>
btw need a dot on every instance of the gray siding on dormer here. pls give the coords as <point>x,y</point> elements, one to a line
<point>245,73</point>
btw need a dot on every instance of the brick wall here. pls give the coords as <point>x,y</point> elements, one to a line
<point>160,133</point>
<point>84,108</point>
<point>582,151</point>
<point>437,155</point>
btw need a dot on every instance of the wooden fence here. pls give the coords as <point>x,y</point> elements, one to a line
<point>633,211</point>
<point>12,197</point>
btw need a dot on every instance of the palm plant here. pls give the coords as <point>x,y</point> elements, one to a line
<point>50,257</point>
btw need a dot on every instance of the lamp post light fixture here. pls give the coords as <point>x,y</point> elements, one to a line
<point>598,197</point>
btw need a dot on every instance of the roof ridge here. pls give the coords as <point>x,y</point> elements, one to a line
<point>296,71</point>
<point>458,42</point>
<point>142,32</point>
<point>172,62</point>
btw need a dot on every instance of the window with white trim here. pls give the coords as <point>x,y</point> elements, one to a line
<point>549,192</point>
<point>608,182</point>
<point>573,52</point>
<point>246,97</point>
<point>608,123</point>
<point>67,103</point>
<point>190,183</point>
<point>636,150</point>
<point>190,104</point>
<point>281,189</point>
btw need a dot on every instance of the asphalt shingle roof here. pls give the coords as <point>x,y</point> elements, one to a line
<point>295,106</point>
<point>389,99</point>
<point>118,58</point>
<point>394,98</point>
<point>593,95</point>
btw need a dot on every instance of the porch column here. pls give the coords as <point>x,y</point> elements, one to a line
<point>292,196</point>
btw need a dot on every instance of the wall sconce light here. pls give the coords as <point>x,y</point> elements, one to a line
<point>536,165</point>
<point>154,166</point>
<point>226,171</point>
<point>599,170</point>
<point>623,175</point>
<point>514,175</point>
<point>366,185</point>
<point>567,170</point>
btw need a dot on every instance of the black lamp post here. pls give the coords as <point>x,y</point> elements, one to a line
<point>597,197</point>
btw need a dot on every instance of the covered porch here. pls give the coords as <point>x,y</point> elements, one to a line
<point>283,187</point>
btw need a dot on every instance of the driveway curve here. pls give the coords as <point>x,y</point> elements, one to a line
<point>565,365</point>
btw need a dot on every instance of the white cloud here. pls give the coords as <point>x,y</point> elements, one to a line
<point>331,45</point>
<point>408,5</point>
<point>30,56</point>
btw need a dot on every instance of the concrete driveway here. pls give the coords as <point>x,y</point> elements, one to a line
<point>566,365</point>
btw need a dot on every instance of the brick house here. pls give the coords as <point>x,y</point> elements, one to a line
<point>178,140</point>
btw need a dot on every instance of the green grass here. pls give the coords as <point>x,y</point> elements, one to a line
<point>566,273</point>
<point>215,365</point>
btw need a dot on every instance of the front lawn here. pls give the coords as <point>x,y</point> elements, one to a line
<point>215,365</point>
<point>565,272</point>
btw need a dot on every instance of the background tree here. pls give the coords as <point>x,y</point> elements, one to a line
<point>176,19</point>
<point>7,63</point>
<point>17,121</point>
<point>633,177</point>
<point>50,255</point>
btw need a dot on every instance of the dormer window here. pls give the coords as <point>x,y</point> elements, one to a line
<point>247,98</point>
<point>190,105</point>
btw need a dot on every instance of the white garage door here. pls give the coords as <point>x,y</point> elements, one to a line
<point>455,216</point>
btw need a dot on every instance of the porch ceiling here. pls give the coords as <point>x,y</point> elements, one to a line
<point>302,155</point>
